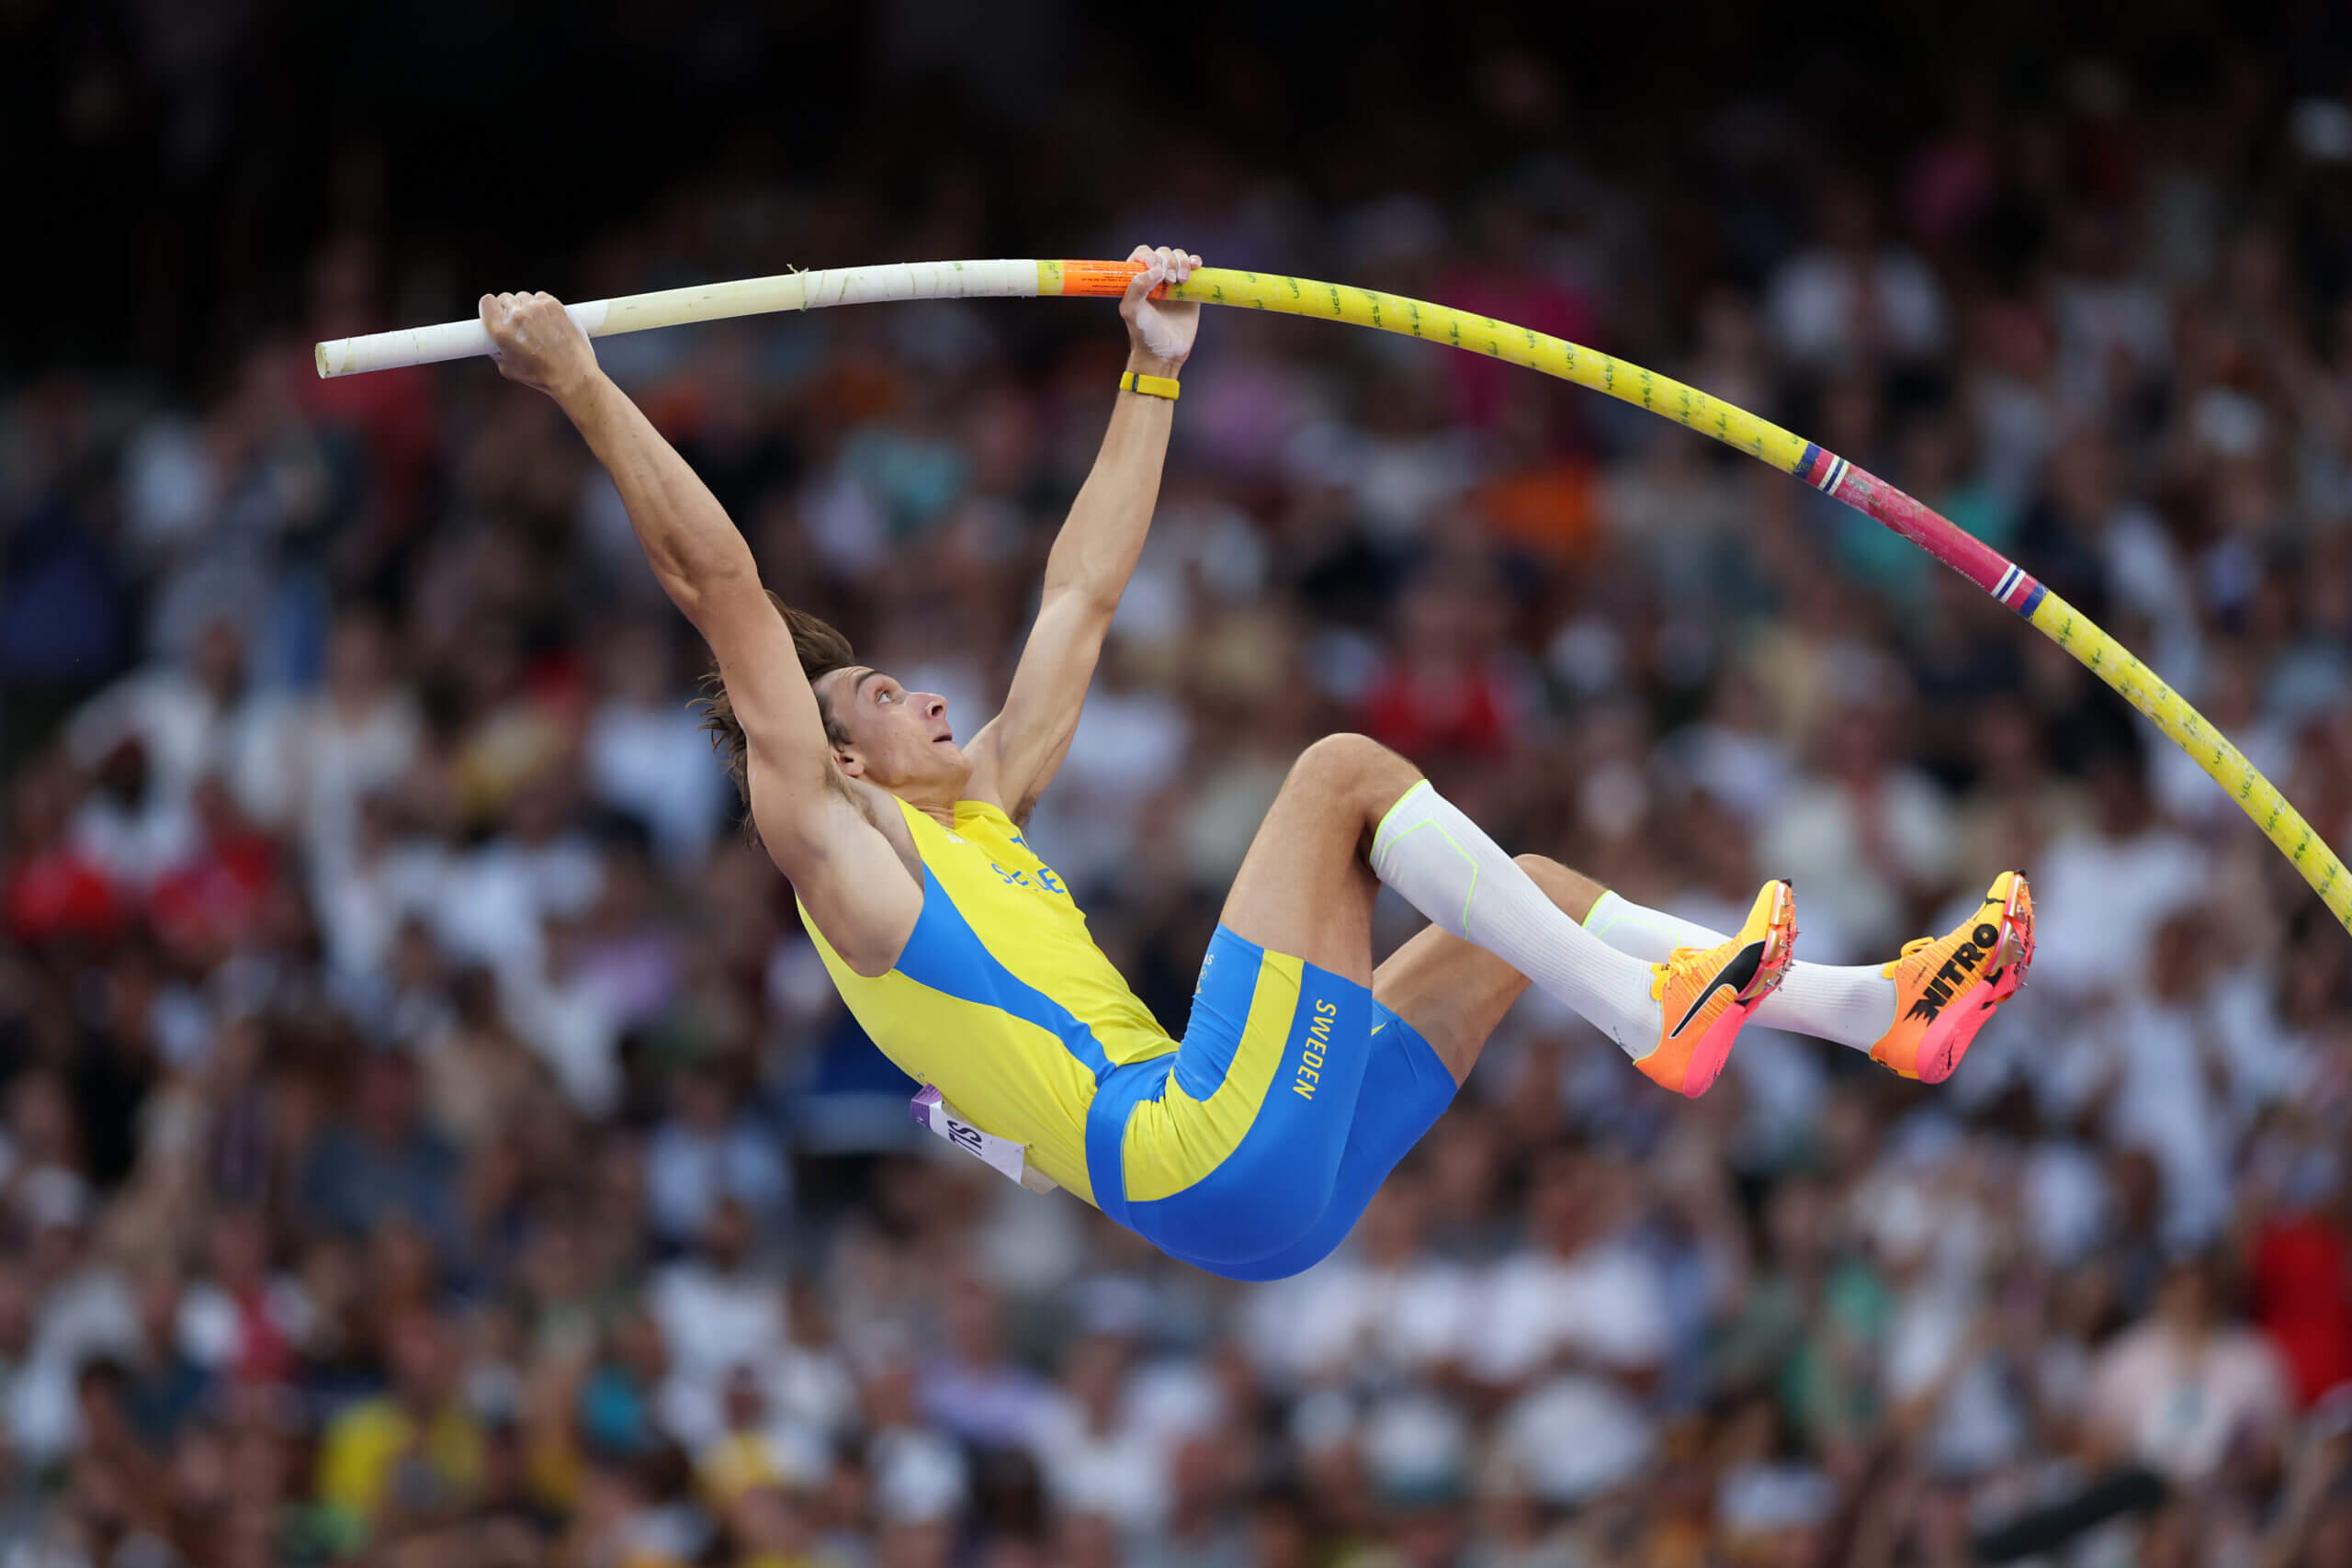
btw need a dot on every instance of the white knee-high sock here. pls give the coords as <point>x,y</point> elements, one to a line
<point>1851,1005</point>
<point>1444,865</point>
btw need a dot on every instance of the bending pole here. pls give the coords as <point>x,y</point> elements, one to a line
<point>1825,471</point>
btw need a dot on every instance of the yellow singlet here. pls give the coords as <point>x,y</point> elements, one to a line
<point>1002,1000</point>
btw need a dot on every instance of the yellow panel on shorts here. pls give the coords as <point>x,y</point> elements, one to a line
<point>1174,1141</point>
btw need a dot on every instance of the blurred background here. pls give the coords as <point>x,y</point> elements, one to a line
<point>426,1137</point>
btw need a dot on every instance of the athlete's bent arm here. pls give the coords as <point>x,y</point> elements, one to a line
<point>847,873</point>
<point>1017,753</point>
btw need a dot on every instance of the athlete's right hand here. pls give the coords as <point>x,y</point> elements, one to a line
<point>536,342</point>
<point>1159,332</point>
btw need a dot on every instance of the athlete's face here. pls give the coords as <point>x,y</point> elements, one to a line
<point>899,741</point>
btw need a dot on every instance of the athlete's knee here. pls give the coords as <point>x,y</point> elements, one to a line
<point>1574,892</point>
<point>1353,771</point>
<point>1343,756</point>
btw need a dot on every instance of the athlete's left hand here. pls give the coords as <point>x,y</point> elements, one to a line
<point>535,341</point>
<point>1159,332</point>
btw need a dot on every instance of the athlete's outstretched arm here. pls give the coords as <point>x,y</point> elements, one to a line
<point>1094,556</point>
<point>842,868</point>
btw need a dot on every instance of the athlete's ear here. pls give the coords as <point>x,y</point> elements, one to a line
<point>848,763</point>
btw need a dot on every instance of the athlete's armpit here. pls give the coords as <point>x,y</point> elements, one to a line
<point>856,881</point>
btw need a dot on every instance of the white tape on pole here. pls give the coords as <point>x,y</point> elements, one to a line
<point>705,302</point>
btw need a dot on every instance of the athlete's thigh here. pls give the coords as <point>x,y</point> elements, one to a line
<point>1455,993</point>
<point>1235,1153</point>
<point>1305,888</point>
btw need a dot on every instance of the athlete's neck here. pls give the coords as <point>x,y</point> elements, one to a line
<point>939,805</point>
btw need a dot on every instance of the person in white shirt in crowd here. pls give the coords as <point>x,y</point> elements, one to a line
<point>718,1311</point>
<point>1864,836</point>
<point>86,1313</point>
<point>306,763</point>
<point>181,711</point>
<point>1201,1530</point>
<point>1854,296</point>
<point>493,900</point>
<point>1096,1456</point>
<point>644,751</point>
<point>708,1151</point>
<point>2102,893</point>
<point>2189,1388</point>
<point>131,826</point>
<point>1383,1308</point>
<point>1581,1299</point>
<point>970,1385</point>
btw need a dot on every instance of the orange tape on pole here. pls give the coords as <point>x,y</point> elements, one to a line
<point>1100,279</point>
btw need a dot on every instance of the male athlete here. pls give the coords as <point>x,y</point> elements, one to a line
<point>1251,1146</point>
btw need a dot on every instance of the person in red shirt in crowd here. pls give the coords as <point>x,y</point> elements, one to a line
<point>2302,1277</point>
<point>388,417</point>
<point>202,905</point>
<point>49,888</point>
<point>1441,691</point>
<point>1503,275</point>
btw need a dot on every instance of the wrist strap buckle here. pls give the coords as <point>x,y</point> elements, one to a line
<point>1151,386</point>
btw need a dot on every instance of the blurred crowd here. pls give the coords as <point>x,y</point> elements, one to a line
<point>426,1136</point>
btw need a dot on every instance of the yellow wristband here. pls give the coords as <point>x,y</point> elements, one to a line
<point>1151,386</point>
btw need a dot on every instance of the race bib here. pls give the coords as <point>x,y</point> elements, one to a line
<point>1003,1156</point>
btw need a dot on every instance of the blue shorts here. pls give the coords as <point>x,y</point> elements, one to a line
<point>1252,1148</point>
